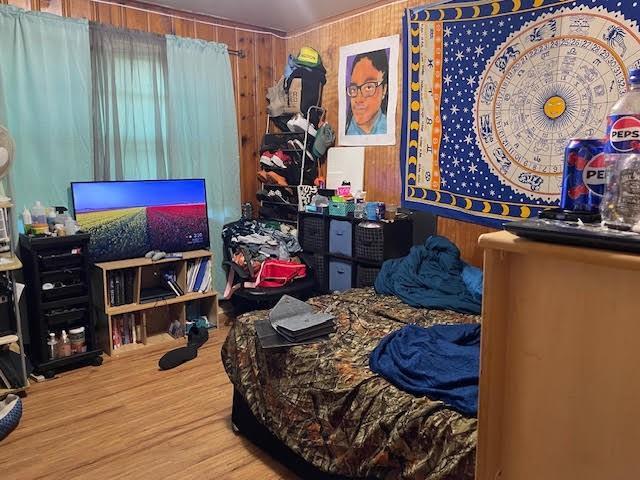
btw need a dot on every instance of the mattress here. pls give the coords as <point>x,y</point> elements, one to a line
<point>324,402</point>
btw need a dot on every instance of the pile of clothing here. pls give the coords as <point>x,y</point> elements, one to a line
<point>433,276</point>
<point>261,255</point>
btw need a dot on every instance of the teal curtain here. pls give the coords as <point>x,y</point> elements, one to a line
<point>202,133</point>
<point>45,82</point>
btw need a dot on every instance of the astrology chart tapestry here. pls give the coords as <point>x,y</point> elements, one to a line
<point>493,91</point>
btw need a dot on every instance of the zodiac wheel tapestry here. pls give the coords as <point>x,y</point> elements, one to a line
<point>493,93</point>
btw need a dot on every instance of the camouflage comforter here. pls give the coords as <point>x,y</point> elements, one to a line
<point>325,404</point>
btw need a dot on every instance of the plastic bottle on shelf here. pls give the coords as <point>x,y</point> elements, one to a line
<point>26,220</point>
<point>51,218</point>
<point>52,347</point>
<point>39,218</point>
<point>64,346</point>
<point>620,205</point>
<point>38,213</point>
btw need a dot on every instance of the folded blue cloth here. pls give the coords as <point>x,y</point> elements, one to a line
<point>430,277</point>
<point>441,362</point>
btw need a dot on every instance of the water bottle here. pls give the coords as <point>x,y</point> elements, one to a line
<point>52,347</point>
<point>620,206</point>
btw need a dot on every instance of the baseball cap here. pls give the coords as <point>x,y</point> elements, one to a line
<point>309,57</point>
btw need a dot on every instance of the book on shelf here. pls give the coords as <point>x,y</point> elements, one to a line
<point>126,329</point>
<point>170,281</point>
<point>130,278</point>
<point>199,275</point>
<point>112,289</point>
<point>121,287</point>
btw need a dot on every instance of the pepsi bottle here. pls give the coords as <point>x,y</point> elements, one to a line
<point>620,207</point>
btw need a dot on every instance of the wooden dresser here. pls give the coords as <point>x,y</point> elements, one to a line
<point>560,362</point>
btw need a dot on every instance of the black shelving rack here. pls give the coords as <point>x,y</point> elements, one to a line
<point>63,263</point>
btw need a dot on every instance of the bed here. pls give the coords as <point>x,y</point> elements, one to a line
<point>321,411</point>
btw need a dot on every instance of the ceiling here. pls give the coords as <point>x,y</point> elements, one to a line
<point>283,15</point>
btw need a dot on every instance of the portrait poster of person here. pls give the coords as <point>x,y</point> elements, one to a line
<point>368,84</point>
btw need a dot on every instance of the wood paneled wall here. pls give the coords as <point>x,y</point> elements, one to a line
<point>382,165</point>
<point>265,55</point>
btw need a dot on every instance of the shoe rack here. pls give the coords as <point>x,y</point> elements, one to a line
<point>278,196</point>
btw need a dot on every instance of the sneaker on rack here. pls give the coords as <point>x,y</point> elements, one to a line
<point>277,197</point>
<point>277,159</point>
<point>267,159</point>
<point>298,145</point>
<point>276,179</point>
<point>299,124</point>
<point>262,195</point>
<point>262,176</point>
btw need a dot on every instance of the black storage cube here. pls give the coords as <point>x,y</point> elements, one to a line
<point>390,240</point>
<point>313,234</point>
<point>366,276</point>
<point>369,243</point>
<point>321,271</point>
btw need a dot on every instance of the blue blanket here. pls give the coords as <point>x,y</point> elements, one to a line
<point>441,362</point>
<point>431,276</point>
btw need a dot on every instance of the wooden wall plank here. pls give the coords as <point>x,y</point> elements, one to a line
<point>184,27</point>
<point>108,14</point>
<point>465,236</point>
<point>50,6</point>
<point>26,4</point>
<point>160,24</point>
<point>264,79</point>
<point>207,32</point>
<point>247,110</point>
<point>78,9</point>
<point>228,36</point>
<point>136,19</point>
<point>279,56</point>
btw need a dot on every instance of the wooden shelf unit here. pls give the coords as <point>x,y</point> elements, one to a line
<point>153,317</point>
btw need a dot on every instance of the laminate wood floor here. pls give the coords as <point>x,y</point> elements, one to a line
<point>127,419</point>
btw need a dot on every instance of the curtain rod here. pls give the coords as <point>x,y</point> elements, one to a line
<point>237,53</point>
<point>181,17</point>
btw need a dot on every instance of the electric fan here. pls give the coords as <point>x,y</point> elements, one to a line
<point>7,149</point>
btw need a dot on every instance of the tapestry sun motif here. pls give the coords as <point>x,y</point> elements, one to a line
<point>493,92</point>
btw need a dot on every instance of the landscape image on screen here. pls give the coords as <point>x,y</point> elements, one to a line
<point>129,219</point>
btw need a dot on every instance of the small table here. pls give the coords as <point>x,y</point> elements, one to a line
<point>560,362</point>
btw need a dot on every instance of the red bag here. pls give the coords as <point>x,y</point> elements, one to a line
<point>278,273</point>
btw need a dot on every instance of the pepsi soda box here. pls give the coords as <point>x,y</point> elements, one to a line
<point>585,176</point>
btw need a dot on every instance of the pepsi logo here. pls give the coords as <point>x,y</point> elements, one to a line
<point>625,132</point>
<point>594,174</point>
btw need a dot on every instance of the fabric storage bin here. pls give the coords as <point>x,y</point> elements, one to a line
<point>341,209</point>
<point>366,276</point>
<point>369,244</point>
<point>321,271</point>
<point>340,237</point>
<point>313,236</point>
<point>389,240</point>
<point>339,275</point>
